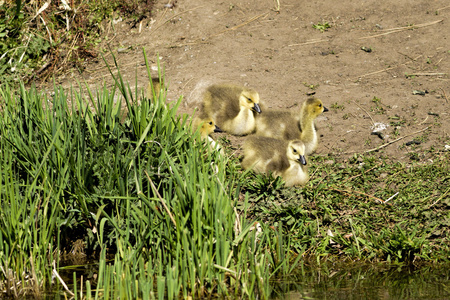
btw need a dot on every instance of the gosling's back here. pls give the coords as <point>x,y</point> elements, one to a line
<point>232,107</point>
<point>282,158</point>
<point>264,154</point>
<point>293,125</point>
<point>278,124</point>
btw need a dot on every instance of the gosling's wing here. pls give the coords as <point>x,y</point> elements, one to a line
<point>222,102</point>
<point>277,124</point>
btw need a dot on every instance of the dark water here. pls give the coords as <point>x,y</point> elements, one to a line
<point>344,281</point>
<point>366,282</point>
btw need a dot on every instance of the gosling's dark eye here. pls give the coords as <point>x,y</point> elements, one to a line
<point>210,123</point>
<point>320,105</point>
<point>295,151</point>
<point>249,100</point>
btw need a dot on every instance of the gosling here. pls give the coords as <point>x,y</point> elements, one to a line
<point>289,126</point>
<point>232,107</point>
<point>282,158</point>
<point>206,126</point>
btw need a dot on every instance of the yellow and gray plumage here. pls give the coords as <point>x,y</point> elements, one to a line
<point>282,158</point>
<point>290,125</point>
<point>232,107</point>
<point>205,125</point>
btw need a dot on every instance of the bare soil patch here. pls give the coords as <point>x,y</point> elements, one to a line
<point>380,62</point>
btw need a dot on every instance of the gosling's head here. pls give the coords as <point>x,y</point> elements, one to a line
<point>314,107</point>
<point>206,126</point>
<point>296,151</point>
<point>250,99</point>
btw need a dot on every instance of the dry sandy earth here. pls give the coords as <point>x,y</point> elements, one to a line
<point>280,54</point>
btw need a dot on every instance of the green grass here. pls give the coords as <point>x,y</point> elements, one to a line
<point>342,213</point>
<point>322,26</point>
<point>146,192</point>
<point>39,39</point>
<point>165,217</point>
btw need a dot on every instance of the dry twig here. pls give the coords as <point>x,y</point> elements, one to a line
<point>445,95</point>
<point>390,68</point>
<point>357,192</point>
<point>174,16</point>
<point>277,6</point>
<point>439,199</point>
<point>356,176</point>
<point>55,273</point>
<point>387,144</point>
<point>399,29</point>
<point>424,120</point>
<point>240,25</point>
<point>392,197</point>
<point>373,122</point>
<point>427,74</point>
<point>308,43</point>
<point>439,9</point>
<point>394,141</point>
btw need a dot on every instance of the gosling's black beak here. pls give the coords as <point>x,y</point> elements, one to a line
<point>325,109</point>
<point>217,129</point>
<point>302,160</point>
<point>257,108</point>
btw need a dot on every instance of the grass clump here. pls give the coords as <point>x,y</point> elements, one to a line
<point>145,192</point>
<point>322,26</point>
<point>41,38</point>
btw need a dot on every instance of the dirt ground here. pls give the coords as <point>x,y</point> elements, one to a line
<point>400,80</point>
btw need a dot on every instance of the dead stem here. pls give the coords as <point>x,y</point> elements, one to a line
<point>373,122</point>
<point>349,193</point>
<point>396,140</point>
<point>308,43</point>
<point>427,74</point>
<point>34,280</point>
<point>174,16</point>
<point>61,280</point>
<point>445,95</point>
<point>439,9</point>
<point>356,176</point>
<point>277,6</point>
<point>240,25</point>
<point>399,29</point>
<point>442,197</point>
<point>385,145</point>
<point>390,68</point>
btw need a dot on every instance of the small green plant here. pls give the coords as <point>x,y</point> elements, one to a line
<point>267,186</point>
<point>414,156</point>
<point>322,26</point>
<point>376,100</point>
<point>379,109</point>
<point>396,132</point>
<point>337,106</point>
<point>311,86</point>
<point>397,121</point>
